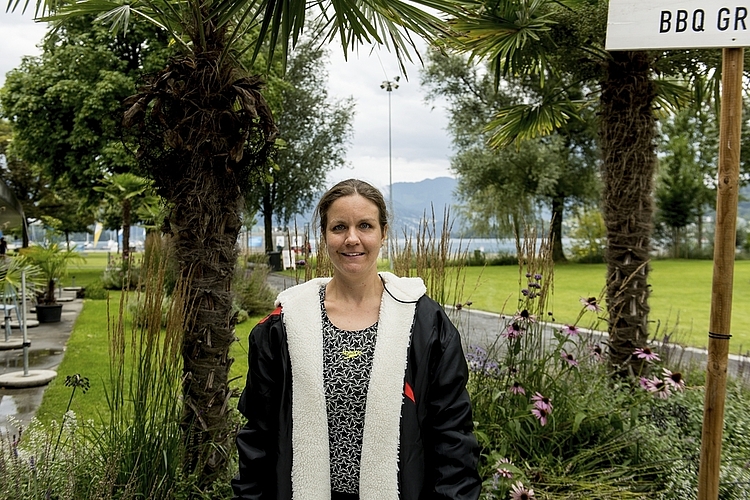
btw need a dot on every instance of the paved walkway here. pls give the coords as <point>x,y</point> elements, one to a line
<point>45,353</point>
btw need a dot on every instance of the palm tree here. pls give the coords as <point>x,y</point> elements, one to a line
<point>122,189</point>
<point>560,45</point>
<point>204,133</point>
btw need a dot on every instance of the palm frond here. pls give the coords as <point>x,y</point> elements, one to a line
<point>119,15</point>
<point>526,121</point>
<point>509,33</point>
<point>673,95</point>
<point>353,22</point>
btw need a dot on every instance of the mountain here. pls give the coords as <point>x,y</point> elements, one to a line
<point>413,200</point>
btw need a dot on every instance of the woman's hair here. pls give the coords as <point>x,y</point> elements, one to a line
<point>351,187</point>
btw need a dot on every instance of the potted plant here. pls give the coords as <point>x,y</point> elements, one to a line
<point>52,260</point>
<point>11,281</point>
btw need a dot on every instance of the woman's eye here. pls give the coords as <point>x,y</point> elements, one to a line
<point>337,228</point>
<point>365,225</point>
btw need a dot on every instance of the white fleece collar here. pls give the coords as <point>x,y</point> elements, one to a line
<point>380,442</point>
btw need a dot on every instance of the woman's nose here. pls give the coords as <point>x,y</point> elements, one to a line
<point>352,237</point>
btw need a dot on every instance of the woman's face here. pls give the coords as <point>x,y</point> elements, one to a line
<point>353,235</point>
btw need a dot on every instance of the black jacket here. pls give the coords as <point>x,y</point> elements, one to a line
<point>431,453</point>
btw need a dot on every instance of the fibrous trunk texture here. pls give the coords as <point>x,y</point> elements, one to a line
<point>205,133</point>
<point>627,136</point>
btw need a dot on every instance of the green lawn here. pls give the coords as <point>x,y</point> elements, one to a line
<point>87,271</point>
<point>86,353</point>
<point>680,299</point>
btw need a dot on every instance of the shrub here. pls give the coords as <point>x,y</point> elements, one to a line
<point>252,293</point>
<point>121,275</point>
<point>504,259</point>
<point>95,290</point>
<point>477,258</point>
<point>589,236</point>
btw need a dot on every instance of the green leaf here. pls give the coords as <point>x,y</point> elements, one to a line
<point>580,416</point>
<point>616,422</point>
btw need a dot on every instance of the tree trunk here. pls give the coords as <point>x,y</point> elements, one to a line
<point>627,133</point>
<point>25,234</point>
<point>126,208</point>
<point>700,233</point>
<point>268,219</point>
<point>558,209</point>
<point>209,221</point>
<point>205,137</point>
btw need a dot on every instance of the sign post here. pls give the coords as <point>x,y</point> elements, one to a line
<point>672,24</point>
<point>723,275</point>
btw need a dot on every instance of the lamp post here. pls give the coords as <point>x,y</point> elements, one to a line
<point>389,86</point>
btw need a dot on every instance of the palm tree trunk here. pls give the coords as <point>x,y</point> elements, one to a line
<point>268,219</point>
<point>207,135</point>
<point>627,133</point>
<point>209,222</point>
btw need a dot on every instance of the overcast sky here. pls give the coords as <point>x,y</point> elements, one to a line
<point>421,146</point>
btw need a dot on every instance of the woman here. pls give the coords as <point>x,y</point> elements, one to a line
<point>356,386</point>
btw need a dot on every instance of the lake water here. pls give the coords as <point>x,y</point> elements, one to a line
<point>469,245</point>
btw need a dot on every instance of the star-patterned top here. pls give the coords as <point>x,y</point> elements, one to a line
<point>347,362</point>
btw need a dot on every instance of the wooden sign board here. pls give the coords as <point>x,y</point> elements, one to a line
<point>677,24</point>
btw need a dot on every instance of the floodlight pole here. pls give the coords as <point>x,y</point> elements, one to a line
<point>389,86</point>
<point>723,273</point>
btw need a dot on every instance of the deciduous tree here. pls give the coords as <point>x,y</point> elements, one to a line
<point>503,187</point>
<point>314,130</point>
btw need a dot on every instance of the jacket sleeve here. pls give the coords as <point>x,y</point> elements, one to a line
<point>259,404</point>
<point>452,451</point>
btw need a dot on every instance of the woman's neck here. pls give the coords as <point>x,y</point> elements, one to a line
<point>355,291</point>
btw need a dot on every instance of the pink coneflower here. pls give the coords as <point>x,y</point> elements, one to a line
<point>524,317</point>
<point>571,330</point>
<point>590,304</point>
<point>516,388</point>
<point>542,402</point>
<point>659,388</point>
<point>674,379</point>
<point>541,414</point>
<point>501,470</point>
<point>646,353</point>
<point>513,330</point>
<point>568,358</point>
<point>519,492</point>
<point>645,383</point>
<point>597,352</point>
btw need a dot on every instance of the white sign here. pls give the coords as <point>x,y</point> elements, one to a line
<point>677,24</point>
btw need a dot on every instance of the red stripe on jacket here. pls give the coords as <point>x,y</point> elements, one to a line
<point>409,392</point>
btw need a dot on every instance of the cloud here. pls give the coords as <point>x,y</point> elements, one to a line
<point>20,37</point>
<point>419,141</point>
